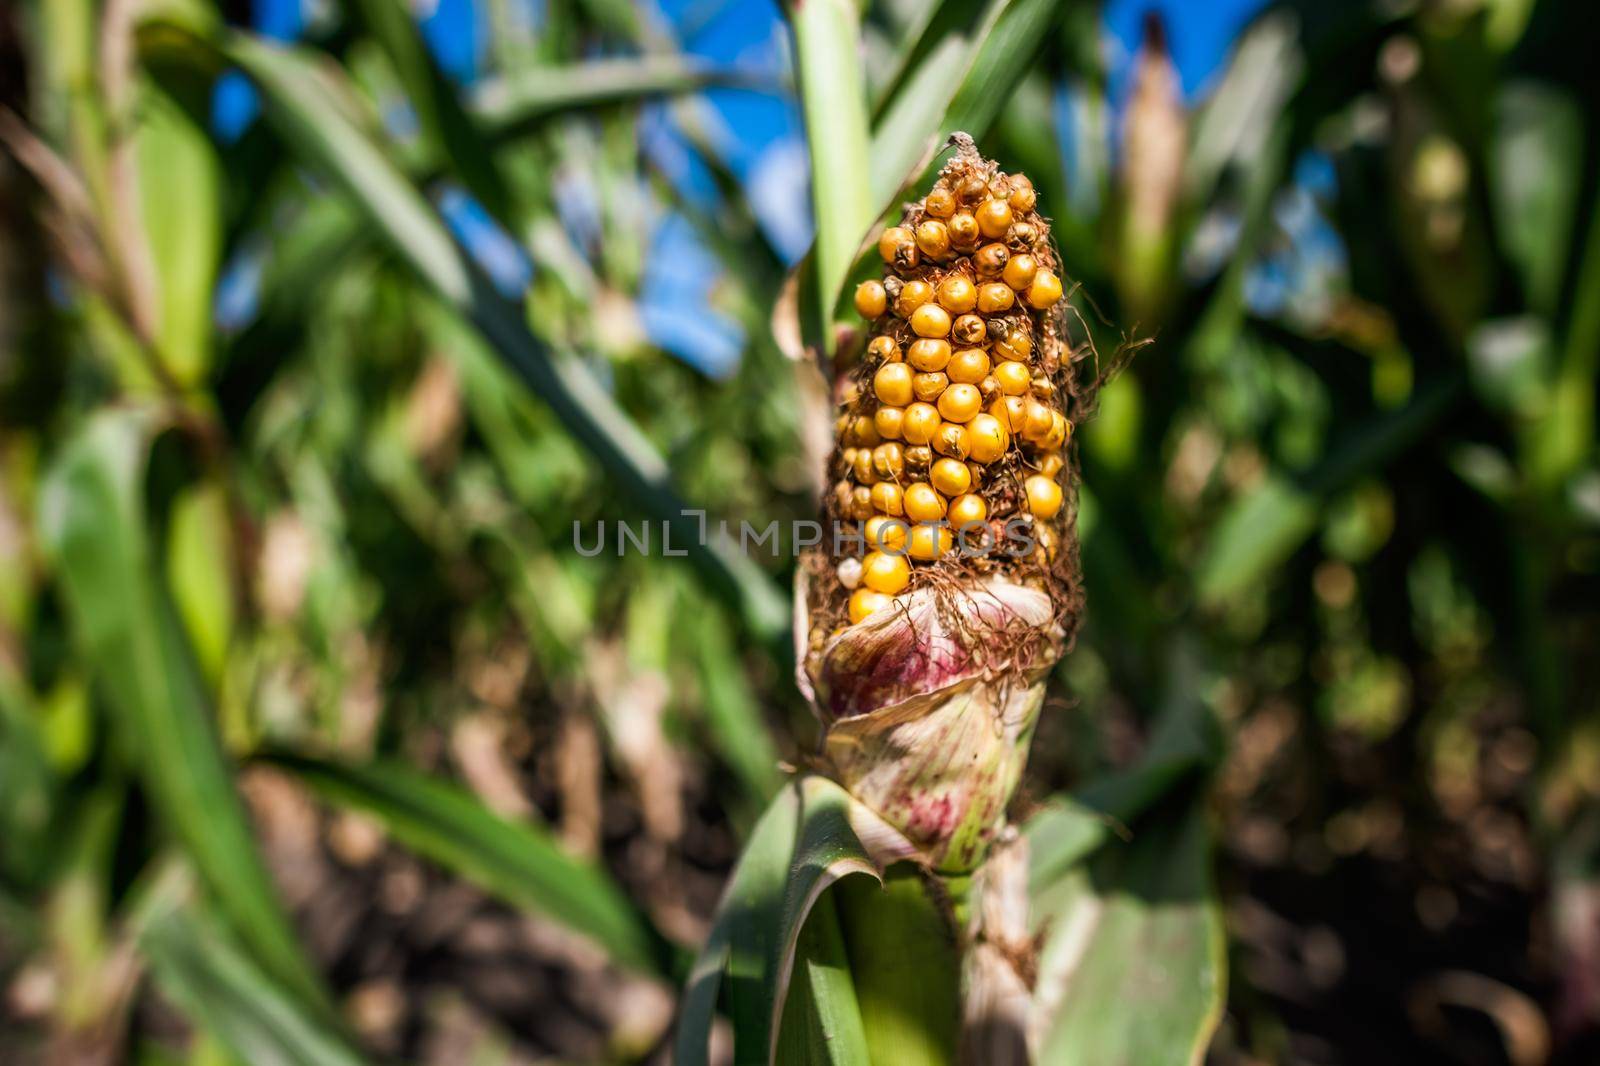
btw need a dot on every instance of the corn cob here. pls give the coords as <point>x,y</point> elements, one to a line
<point>925,654</point>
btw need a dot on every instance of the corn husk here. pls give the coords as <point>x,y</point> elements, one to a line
<point>929,709</point>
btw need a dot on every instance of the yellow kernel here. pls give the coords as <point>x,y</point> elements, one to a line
<point>885,573</point>
<point>889,461</point>
<point>1013,377</point>
<point>930,320</point>
<point>959,403</point>
<point>950,477</point>
<point>913,294</point>
<point>929,353</point>
<point>1057,436</point>
<point>898,247</point>
<point>1045,290</point>
<point>1050,464</point>
<point>885,350</point>
<point>994,218</point>
<point>956,294</point>
<point>863,433</point>
<point>929,542</point>
<point>886,498</point>
<point>991,259</point>
<point>918,456</point>
<point>933,239</point>
<point>865,601</point>
<point>889,422</point>
<point>987,438</point>
<point>871,300</point>
<point>1044,496</point>
<point>861,503</point>
<point>969,366</point>
<point>862,467</point>
<point>967,511</point>
<point>1037,421</point>
<point>921,421</point>
<point>1019,273</point>
<point>922,503</point>
<point>887,532</point>
<point>1011,412</point>
<point>1023,196</point>
<point>928,387</point>
<point>1022,233</point>
<point>969,330</point>
<point>892,384</point>
<point>972,189</point>
<point>940,203</point>
<point>1015,345</point>
<point>995,297</point>
<point>963,230</point>
<point>951,439</point>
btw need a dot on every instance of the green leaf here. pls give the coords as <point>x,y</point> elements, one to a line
<point>730,706</point>
<point>1562,441</point>
<point>451,134</point>
<point>93,522</point>
<point>517,862</point>
<point>199,967</point>
<point>821,1017</point>
<point>833,99</point>
<point>321,135</point>
<point>906,967</point>
<point>1535,170</point>
<point>809,838</point>
<point>507,106</point>
<point>180,196</point>
<point>200,573</point>
<point>962,82</point>
<point>1133,971</point>
<point>742,938</point>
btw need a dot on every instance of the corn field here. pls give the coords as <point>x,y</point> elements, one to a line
<point>485,545</point>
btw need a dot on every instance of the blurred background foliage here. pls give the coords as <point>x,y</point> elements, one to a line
<point>318,740</point>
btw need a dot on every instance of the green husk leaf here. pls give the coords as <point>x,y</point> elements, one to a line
<point>812,835</point>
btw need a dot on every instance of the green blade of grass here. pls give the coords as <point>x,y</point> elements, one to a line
<point>93,522</point>
<point>507,106</point>
<point>198,966</point>
<point>517,862</point>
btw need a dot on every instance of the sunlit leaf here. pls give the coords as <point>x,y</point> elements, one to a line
<point>833,99</point>
<point>515,861</point>
<point>809,838</point>
<point>92,518</point>
<point>1132,970</point>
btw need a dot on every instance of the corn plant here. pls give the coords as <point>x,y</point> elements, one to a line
<point>322,544</point>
